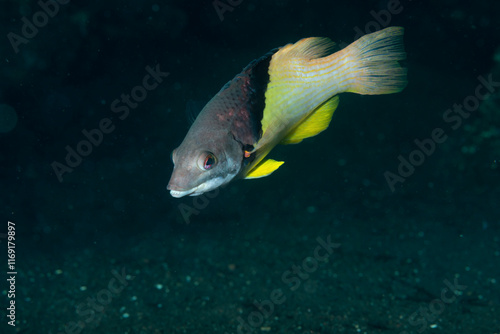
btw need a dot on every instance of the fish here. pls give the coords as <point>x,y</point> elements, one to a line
<point>283,97</point>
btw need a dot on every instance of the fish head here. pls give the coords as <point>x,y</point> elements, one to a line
<point>200,167</point>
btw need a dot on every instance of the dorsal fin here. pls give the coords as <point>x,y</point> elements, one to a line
<point>309,48</point>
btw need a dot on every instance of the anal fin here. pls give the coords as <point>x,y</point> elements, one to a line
<point>316,122</point>
<point>264,168</point>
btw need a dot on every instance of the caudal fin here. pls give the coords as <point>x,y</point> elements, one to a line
<point>373,63</point>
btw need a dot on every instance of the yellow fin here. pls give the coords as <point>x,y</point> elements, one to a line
<point>318,121</point>
<point>264,168</point>
<point>308,48</point>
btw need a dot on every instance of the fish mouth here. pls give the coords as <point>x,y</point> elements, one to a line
<point>180,193</point>
<point>195,191</point>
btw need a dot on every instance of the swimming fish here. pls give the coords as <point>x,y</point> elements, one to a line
<point>285,96</point>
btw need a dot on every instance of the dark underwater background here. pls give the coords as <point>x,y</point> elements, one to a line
<point>336,241</point>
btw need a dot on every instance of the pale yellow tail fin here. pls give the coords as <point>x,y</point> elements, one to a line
<point>372,63</point>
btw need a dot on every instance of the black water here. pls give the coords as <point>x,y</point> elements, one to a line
<point>324,245</point>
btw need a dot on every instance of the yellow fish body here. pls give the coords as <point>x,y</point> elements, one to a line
<point>282,98</point>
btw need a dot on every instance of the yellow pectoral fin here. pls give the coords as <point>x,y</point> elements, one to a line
<point>318,121</point>
<point>264,168</point>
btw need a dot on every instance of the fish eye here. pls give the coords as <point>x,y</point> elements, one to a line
<point>207,161</point>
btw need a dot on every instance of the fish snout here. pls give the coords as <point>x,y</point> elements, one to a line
<point>176,185</point>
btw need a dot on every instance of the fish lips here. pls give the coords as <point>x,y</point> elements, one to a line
<point>179,194</point>
<point>179,191</point>
<point>182,193</point>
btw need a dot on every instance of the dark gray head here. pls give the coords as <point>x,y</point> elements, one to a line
<point>203,162</point>
<point>213,152</point>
